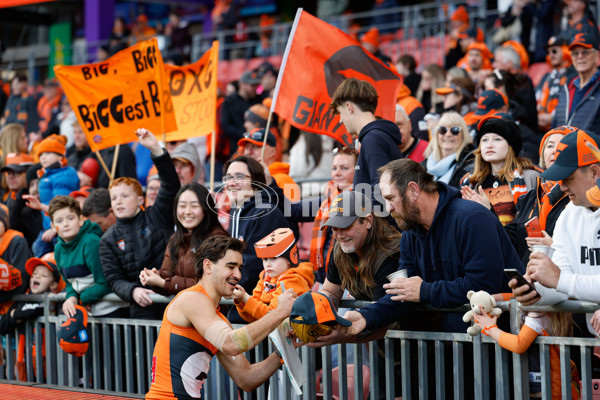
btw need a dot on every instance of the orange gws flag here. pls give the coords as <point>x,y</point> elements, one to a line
<point>318,57</point>
<point>193,91</point>
<point>113,98</point>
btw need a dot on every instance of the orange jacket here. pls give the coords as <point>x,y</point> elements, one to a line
<point>264,296</point>
<point>280,172</point>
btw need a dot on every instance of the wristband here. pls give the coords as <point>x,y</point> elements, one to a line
<point>487,328</point>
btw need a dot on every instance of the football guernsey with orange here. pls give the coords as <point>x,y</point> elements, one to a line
<point>181,359</point>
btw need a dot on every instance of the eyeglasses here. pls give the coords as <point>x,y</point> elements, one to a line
<point>237,177</point>
<point>552,51</point>
<point>584,53</point>
<point>455,130</point>
<point>345,150</point>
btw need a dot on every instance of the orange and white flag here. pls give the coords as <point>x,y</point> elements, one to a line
<point>318,57</point>
<point>193,91</point>
<point>113,98</point>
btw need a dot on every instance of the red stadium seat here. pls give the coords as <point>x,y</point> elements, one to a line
<point>537,71</point>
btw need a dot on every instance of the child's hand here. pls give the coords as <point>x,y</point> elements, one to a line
<point>69,306</point>
<point>48,235</point>
<point>483,320</point>
<point>544,241</point>
<point>149,141</point>
<point>595,322</point>
<point>240,295</point>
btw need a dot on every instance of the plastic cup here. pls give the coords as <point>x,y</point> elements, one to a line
<point>547,250</point>
<point>403,273</point>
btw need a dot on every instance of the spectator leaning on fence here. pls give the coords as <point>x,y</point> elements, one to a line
<point>139,237</point>
<point>442,268</point>
<point>78,259</point>
<point>572,272</point>
<point>195,219</point>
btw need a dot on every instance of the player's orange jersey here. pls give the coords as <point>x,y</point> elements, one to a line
<point>181,359</point>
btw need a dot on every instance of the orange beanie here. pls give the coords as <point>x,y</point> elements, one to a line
<point>53,144</point>
<point>371,36</point>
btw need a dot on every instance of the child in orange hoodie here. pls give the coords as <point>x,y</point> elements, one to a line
<point>282,271</point>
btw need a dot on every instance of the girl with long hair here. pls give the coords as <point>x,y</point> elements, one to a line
<point>195,219</point>
<point>499,176</point>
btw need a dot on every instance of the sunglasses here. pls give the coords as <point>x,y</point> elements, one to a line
<point>256,134</point>
<point>455,130</point>
<point>345,150</point>
<point>552,51</point>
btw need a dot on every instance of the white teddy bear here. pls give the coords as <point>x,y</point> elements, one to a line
<point>486,301</point>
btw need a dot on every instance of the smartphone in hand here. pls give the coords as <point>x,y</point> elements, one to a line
<point>533,228</point>
<point>514,274</point>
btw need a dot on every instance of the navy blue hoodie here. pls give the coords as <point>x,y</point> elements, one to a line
<point>379,141</point>
<point>466,248</point>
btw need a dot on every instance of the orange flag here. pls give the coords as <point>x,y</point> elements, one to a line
<point>193,91</point>
<point>113,98</point>
<point>318,57</point>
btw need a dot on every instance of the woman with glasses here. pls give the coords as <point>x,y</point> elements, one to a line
<point>499,176</point>
<point>254,214</point>
<point>449,155</point>
<point>195,216</point>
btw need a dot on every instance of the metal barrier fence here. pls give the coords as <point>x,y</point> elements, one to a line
<point>462,366</point>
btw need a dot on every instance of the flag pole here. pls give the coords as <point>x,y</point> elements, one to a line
<point>114,164</point>
<point>286,53</point>
<point>104,166</point>
<point>213,136</point>
<point>213,145</point>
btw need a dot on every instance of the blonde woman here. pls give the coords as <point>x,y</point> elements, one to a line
<point>449,155</point>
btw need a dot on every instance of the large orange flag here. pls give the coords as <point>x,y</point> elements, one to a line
<point>113,98</point>
<point>317,59</point>
<point>194,93</point>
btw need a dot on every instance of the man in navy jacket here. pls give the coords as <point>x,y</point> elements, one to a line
<point>449,246</point>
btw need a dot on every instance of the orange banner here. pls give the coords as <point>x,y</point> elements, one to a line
<point>113,98</point>
<point>319,58</point>
<point>194,94</point>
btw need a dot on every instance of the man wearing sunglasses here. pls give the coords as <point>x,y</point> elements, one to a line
<point>355,101</point>
<point>546,93</point>
<point>578,100</point>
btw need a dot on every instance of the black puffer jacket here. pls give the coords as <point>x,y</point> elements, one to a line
<point>528,206</point>
<point>140,241</point>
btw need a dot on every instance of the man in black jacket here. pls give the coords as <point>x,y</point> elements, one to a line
<point>139,237</point>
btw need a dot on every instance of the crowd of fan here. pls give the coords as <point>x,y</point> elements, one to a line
<point>474,131</point>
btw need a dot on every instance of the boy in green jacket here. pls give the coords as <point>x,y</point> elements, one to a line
<point>78,260</point>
